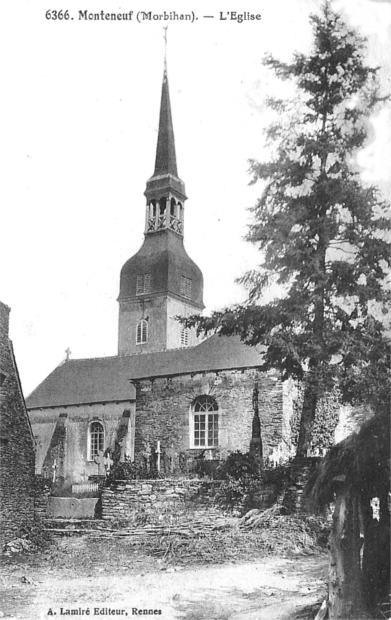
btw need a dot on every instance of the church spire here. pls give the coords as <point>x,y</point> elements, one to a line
<point>165,162</point>
<point>165,191</point>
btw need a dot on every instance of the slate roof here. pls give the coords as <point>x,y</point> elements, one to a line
<point>108,379</point>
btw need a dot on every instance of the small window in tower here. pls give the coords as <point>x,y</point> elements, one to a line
<point>143,284</point>
<point>186,287</point>
<point>140,285</point>
<point>184,337</point>
<point>147,283</point>
<point>142,332</point>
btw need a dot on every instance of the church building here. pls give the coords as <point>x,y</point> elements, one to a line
<point>167,389</point>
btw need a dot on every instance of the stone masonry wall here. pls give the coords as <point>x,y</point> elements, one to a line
<point>17,445</point>
<point>133,500</point>
<point>163,411</point>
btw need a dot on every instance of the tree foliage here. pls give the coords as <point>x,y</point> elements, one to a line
<point>321,232</point>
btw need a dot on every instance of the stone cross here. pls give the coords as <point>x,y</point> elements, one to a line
<point>158,452</point>
<point>147,455</point>
<point>54,468</point>
<point>108,461</point>
<point>170,457</point>
<point>100,461</point>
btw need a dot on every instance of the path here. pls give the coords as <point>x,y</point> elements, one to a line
<point>271,589</point>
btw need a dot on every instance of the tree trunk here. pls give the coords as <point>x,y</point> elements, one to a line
<point>345,576</point>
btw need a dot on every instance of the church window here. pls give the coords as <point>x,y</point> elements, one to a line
<point>143,284</point>
<point>186,287</point>
<point>96,440</point>
<point>205,422</point>
<point>142,332</point>
<point>184,337</point>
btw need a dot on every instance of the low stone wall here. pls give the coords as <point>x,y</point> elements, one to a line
<point>131,500</point>
<point>42,490</point>
<point>139,501</point>
<point>264,496</point>
<point>286,485</point>
<point>300,472</point>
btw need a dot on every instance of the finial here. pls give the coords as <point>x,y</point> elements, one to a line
<point>67,354</point>
<point>165,48</point>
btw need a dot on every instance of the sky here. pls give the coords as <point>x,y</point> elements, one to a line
<point>80,107</point>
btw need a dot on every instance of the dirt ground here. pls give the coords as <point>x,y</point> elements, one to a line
<point>84,577</point>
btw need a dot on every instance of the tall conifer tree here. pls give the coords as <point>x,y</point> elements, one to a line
<point>322,232</point>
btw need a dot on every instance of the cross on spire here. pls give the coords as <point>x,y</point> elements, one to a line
<point>165,28</point>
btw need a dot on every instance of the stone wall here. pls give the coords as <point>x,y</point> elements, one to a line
<point>159,500</point>
<point>42,492</point>
<point>156,500</point>
<point>285,485</point>
<point>300,472</point>
<point>164,411</point>
<point>61,435</point>
<point>17,484</point>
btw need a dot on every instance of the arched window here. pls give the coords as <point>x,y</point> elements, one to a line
<point>142,332</point>
<point>152,208</point>
<point>204,422</point>
<point>96,440</point>
<point>163,204</point>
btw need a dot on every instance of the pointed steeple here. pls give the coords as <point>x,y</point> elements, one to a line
<point>165,181</point>
<point>165,162</point>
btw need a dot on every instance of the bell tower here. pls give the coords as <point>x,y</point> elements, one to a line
<point>160,281</point>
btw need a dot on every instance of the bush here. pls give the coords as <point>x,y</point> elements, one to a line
<point>237,465</point>
<point>131,471</point>
<point>240,475</point>
<point>236,494</point>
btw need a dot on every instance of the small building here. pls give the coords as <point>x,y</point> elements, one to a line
<point>17,452</point>
<point>167,389</point>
